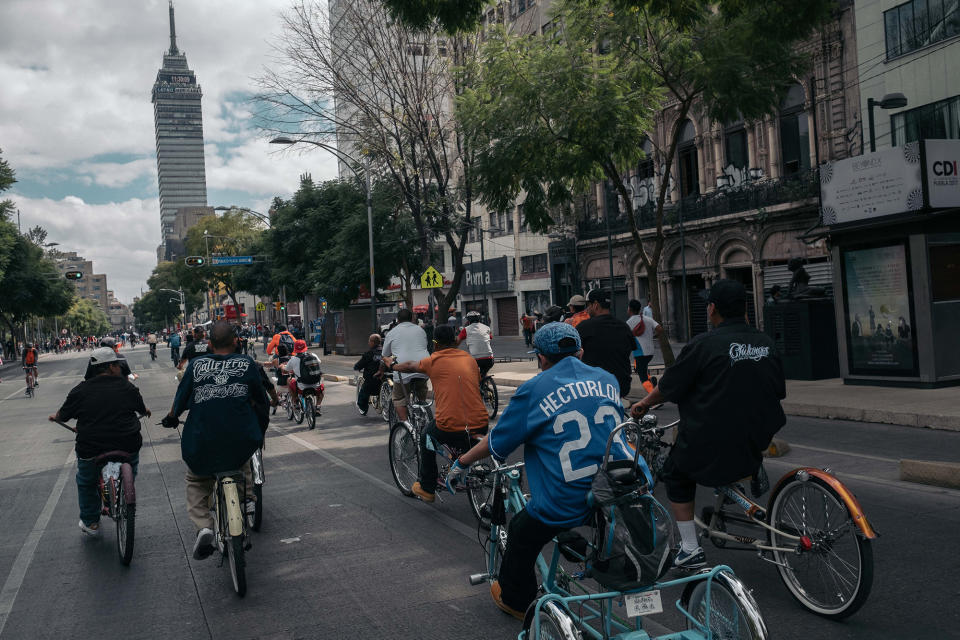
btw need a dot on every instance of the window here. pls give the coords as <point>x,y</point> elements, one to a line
<point>533,264</point>
<point>736,146</point>
<point>687,160</point>
<point>937,120</point>
<point>794,132</point>
<point>524,227</point>
<point>473,234</point>
<point>436,258</point>
<point>494,222</point>
<point>919,23</point>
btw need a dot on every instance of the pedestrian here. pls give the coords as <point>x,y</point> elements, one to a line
<point>578,313</point>
<point>644,331</point>
<point>527,322</point>
<point>607,341</point>
<point>648,310</point>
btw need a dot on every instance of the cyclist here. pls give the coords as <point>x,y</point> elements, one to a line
<point>28,361</point>
<point>727,384</point>
<point>152,342</point>
<point>407,342</point>
<point>563,418</point>
<point>459,409</point>
<point>110,343</point>
<point>304,370</point>
<point>478,337</point>
<point>280,358</point>
<point>578,312</point>
<point>370,366</point>
<point>607,340</point>
<point>281,336</point>
<point>224,394</point>
<point>174,343</point>
<point>197,348</point>
<point>106,407</point>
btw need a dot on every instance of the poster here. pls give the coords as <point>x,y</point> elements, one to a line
<point>873,185</point>
<point>943,173</point>
<point>879,320</point>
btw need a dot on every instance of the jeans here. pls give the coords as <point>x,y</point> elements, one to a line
<point>526,537</point>
<point>88,487</point>
<point>175,355</point>
<point>428,459</point>
<point>363,399</point>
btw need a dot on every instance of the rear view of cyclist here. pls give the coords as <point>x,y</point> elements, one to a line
<point>106,407</point>
<point>304,368</point>
<point>174,343</point>
<point>478,335</point>
<point>282,336</point>
<point>29,362</point>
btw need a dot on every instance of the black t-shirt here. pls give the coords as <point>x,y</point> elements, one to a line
<point>607,343</point>
<point>196,349</point>
<point>106,409</point>
<point>728,384</point>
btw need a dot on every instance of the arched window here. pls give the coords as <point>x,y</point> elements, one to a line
<point>645,166</point>
<point>735,143</point>
<point>687,161</point>
<point>794,132</point>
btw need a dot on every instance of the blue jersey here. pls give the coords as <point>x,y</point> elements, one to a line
<point>563,417</point>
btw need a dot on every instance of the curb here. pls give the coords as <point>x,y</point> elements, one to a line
<point>921,420</point>
<point>939,474</point>
<point>330,377</point>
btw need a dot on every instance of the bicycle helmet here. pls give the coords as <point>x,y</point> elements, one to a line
<point>473,314</point>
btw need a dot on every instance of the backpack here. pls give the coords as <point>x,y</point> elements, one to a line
<point>286,340</point>
<point>634,534</point>
<point>309,368</point>
<point>31,357</point>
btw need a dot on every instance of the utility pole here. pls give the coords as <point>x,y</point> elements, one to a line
<point>483,275</point>
<point>375,326</point>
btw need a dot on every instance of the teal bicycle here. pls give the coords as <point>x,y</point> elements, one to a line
<point>714,603</point>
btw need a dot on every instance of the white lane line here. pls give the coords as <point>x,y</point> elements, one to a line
<point>449,521</point>
<point>18,571</point>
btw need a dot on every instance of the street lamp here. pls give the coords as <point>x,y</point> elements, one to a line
<point>889,101</point>
<point>183,305</point>
<point>348,161</point>
<point>256,214</point>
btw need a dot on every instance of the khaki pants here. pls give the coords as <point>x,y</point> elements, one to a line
<point>200,496</point>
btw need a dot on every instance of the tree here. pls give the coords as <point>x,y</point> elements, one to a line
<point>8,230</point>
<point>450,15</point>
<point>85,318</point>
<point>366,87</point>
<point>31,285</point>
<point>564,109</point>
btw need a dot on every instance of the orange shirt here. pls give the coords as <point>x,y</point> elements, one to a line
<point>577,318</point>
<point>456,390</point>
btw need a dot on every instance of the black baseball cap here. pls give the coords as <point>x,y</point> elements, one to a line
<point>729,296</point>
<point>599,295</point>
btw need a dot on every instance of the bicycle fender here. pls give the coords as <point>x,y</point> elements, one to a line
<point>234,513</point>
<point>849,500</point>
<point>126,477</point>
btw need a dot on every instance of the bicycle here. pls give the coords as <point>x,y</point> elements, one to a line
<point>153,351</point>
<point>255,519</point>
<point>714,603</point>
<point>387,411</point>
<point>31,382</point>
<point>813,530</point>
<point>490,396</point>
<point>404,454</point>
<point>375,400</point>
<point>305,407</point>
<point>118,495</point>
<point>230,526</point>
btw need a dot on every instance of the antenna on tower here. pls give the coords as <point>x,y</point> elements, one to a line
<point>173,33</point>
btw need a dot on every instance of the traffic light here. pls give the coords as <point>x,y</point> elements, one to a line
<point>74,275</point>
<point>195,261</point>
<point>278,306</point>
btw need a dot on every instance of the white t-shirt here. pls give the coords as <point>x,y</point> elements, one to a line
<point>293,366</point>
<point>407,343</point>
<point>477,336</point>
<point>645,341</point>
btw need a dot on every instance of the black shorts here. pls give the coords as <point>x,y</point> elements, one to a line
<point>680,486</point>
<point>485,365</point>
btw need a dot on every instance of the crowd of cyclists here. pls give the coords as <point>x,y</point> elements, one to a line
<point>561,418</point>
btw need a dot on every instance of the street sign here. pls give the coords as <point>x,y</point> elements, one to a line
<point>431,279</point>
<point>261,306</point>
<point>223,261</point>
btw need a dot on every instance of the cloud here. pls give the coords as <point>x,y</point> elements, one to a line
<point>120,238</point>
<point>116,174</point>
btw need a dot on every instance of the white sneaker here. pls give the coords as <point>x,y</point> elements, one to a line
<point>93,530</point>
<point>203,547</point>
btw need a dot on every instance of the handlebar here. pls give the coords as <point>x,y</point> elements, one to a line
<point>503,468</point>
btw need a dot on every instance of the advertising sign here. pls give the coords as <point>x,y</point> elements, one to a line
<point>872,185</point>
<point>879,316</point>
<point>943,173</point>
<point>492,273</point>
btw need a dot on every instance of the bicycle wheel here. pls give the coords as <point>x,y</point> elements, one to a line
<point>480,490</point>
<point>733,612</point>
<point>491,399</point>
<point>288,406</point>
<point>833,578</point>
<point>126,519</point>
<point>298,414</point>
<point>238,573</point>
<point>404,457</point>
<point>310,412</point>
<point>258,507</point>
<point>386,402</point>
<point>555,623</point>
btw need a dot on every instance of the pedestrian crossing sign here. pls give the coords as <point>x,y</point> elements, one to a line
<point>261,306</point>
<point>431,279</point>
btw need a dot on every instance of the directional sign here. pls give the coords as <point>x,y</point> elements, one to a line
<point>431,279</point>
<point>261,306</point>
<point>230,260</point>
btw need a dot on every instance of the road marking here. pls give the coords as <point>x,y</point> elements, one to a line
<point>449,521</point>
<point>18,571</point>
<point>844,453</point>
<point>290,540</point>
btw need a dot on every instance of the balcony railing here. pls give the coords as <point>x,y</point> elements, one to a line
<point>748,197</point>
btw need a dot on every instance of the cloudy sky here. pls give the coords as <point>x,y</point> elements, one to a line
<point>76,121</point>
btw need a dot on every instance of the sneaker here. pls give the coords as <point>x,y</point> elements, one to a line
<point>497,595</point>
<point>357,405</point>
<point>690,559</point>
<point>93,529</point>
<point>203,547</point>
<point>421,493</point>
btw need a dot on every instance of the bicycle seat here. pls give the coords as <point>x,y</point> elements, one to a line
<point>113,456</point>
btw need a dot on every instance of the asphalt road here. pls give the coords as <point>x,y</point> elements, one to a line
<point>343,555</point>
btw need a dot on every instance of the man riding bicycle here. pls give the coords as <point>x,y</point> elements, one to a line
<point>369,366</point>
<point>478,337</point>
<point>563,417</point>
<point>304,370</point>
<point>407,342</point>
<point>727,384</point>
<point>459,410</point>
<point>107,408</point>
<point>29,363</point>
<point>282,336</point>
<point>174,343</point>
<point>152,342</point>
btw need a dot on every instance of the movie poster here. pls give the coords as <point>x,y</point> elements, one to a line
<point>879,319</point>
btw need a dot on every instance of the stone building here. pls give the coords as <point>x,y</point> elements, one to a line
<point>92,286</point>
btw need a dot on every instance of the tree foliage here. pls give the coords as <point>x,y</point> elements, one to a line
<point>86,318</point>
<point>451,15</point>
<point>160,306</point>
<point>32,285</point>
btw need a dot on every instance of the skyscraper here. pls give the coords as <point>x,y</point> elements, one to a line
<point>178,123</point>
